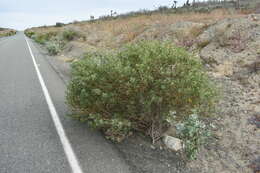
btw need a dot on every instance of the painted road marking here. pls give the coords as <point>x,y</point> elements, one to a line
<point>73,161</point>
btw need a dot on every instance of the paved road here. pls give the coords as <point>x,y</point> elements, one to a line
<point>29,142</point>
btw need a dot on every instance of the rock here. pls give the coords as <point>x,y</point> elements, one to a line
<point>153,147</point>
<point>214,31</point>
<point>172,143</point>
<point>211,54</point>
<point>254,18</point>
<point>171,131</point>
<point>225,32</point>
<point>218,135</point>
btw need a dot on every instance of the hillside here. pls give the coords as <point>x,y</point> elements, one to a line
<point>228,44</point>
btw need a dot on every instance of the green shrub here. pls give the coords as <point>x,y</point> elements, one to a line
<point>29,33</point>
<point>69,35</point>
<point>50,35</point>
<point>42,38</point>
<point>194,133</point>
<point>59,24</point>
<point>137,88</point>
<point>52,48</point>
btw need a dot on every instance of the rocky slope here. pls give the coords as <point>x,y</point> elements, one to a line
<point>232,57</point>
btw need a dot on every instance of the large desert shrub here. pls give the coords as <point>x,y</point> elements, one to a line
<point>138,88</point>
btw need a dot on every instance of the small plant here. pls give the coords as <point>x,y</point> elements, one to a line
<point>194,133</point>
<point>52,48</point>
<point>39,39</point>
<point>69,35</point>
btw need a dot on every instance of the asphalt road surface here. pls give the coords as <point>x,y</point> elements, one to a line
<point>31,139</point>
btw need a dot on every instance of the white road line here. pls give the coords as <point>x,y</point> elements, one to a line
<point>73,161</point>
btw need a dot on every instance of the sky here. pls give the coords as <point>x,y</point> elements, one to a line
<point>22,14</point>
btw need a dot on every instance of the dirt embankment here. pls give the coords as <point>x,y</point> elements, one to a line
<point>229,47</point>
<point>232,57</point>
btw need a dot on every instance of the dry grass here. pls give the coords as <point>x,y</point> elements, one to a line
<point>114,33</point>
<point>136,24</point>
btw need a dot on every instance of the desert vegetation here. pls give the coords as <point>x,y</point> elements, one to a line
<point>186,73</point>
<point>138,89</point>
<point>54,41</point>
<point>6,32</point>
<point>113,31</point>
